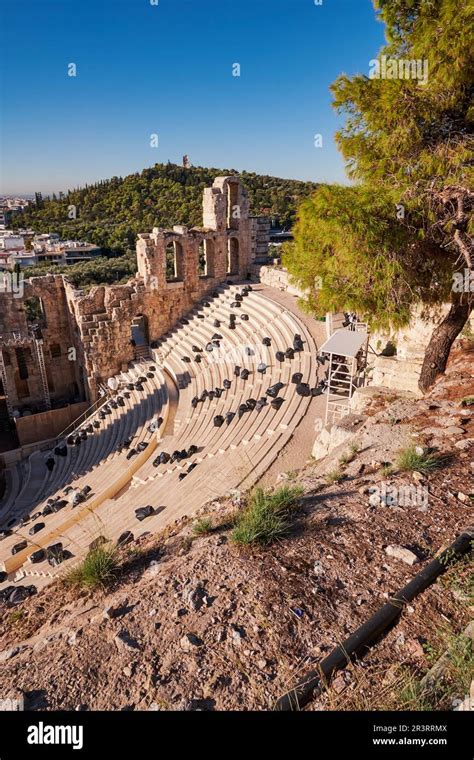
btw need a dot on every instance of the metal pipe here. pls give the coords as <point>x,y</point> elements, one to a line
<point>92,409</point>
<point>369,632</point>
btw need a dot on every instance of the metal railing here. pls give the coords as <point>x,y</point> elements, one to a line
<point>82,418</point>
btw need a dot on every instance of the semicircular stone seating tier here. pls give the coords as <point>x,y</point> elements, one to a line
<point>100,461</point>
<point>229,456</point>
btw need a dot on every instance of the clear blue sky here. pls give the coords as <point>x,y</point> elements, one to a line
<point>167,69</point>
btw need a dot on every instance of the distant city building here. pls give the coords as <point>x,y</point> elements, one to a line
<point>45,239</point>
<point>45,248</point>
<point>4,260</point>
<point>10,241</point>
<point>22,258</point>
<point>49,247</point>
<point>75,251</point>
<point>6,215</point>
<point>9,207</point>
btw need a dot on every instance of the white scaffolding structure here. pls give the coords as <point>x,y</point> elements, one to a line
<point>347,352</point>
<point>38,343</point>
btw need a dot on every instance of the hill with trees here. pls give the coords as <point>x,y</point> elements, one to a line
<point>111,213</point>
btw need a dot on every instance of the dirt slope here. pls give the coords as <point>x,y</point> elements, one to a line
<point>197,623</point>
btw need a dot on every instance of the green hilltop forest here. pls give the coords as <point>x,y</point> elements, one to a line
<point>112,212</point>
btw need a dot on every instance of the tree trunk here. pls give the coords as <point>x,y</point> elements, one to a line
<point>437,351</point>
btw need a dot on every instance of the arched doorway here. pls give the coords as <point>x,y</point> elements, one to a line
<point>140,338</point>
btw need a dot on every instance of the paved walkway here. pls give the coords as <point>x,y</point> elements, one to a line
<point>294,455</point>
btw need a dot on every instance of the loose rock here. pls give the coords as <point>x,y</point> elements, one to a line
<point>399,552</point>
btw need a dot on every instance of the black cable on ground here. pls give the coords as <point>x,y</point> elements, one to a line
<point>367,634</point>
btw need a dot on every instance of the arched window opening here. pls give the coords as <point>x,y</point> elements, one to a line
<point>174,262</point>
<point>210,250</point>
<point>206,258</point>
<point>202,260</point>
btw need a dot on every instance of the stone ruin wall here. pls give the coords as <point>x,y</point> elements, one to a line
<point>55,325</point>
<point>98,325</point>
<point>103,318</point>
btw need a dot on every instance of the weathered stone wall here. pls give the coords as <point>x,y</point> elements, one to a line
<point>276,277</point>
<point>260,237</point>
<point>92,332</point>
<point>411,341</point>
<point>54,323</point>
<point>102,319</point>
<point>47,425</point>
<point>401,371</point>
<point>225,238</point>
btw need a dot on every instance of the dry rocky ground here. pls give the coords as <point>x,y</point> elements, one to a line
<point>199,623</point>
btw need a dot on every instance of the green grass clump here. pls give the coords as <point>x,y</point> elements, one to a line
<point>186,543</point>
<point>98,569</point>
<point>203,526</point>
<point>334,476</point>
<point>410,695</point>
<point>16,616</point>
<point>467,401</point>
<point>409,460</point>
<point>345,459</point>
<point>267,516</point>
<point>349,456</point>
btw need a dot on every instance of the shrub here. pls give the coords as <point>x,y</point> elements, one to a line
<point>203,526</point>
<point>334,476</point>
<point>267,515</point>
<point>186,543</point>
<point>348,456</point>
<point>409,460</point>
<point>16,616</point>
<point>98,569</point>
